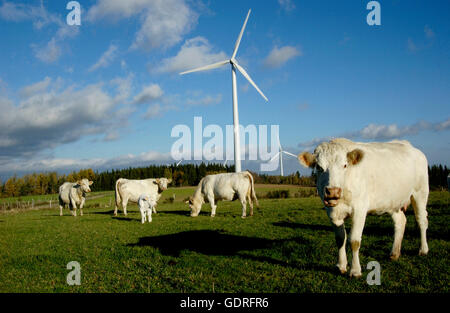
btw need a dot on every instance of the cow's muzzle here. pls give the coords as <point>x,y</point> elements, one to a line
<point>331,196</point>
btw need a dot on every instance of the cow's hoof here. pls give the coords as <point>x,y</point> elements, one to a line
<point>355,274</point>
<point>212,215</point>
<point>243,216</point>
<point>423,252</point>
<point>395,257</point>
<point>342,270</point>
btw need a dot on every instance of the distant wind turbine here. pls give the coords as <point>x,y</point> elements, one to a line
<point>234,65</point>
<point>280,155</point>
<point>179,162</point>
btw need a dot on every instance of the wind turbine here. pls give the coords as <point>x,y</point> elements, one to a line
<point>234,65</point>
<point>280,155</point>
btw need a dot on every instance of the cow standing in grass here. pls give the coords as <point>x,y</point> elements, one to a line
<point>73,194</point>
<point>130,190</point>
<point>227,186</point>
<point>146,205</point>
<point>354,179</point>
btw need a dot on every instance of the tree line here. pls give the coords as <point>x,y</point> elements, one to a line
<point>182,175</point>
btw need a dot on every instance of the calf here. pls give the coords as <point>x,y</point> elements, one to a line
<point>73,194</point>
<point>354,179</point>
<point>146,205</point>
<point>228,186</point>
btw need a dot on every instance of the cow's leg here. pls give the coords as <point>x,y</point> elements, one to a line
<point>399,219</point>
<point>124,206</point>
<point>61,206</point>
<point>115,209</point>
<point>244,205</point>
<point>419,203</point>
<point>213,205</point>
<point>358,220</point>
<point>250,203</point>
<point>154,209</point>
<point>83,200</point>
<point>341,239</point>
<point>149,215</point>
<point>74,208</point>
<point>143,214</point>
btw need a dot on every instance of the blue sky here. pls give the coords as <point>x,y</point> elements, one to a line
<point>107,94</point>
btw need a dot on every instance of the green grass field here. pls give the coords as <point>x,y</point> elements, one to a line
<point>287,246</point>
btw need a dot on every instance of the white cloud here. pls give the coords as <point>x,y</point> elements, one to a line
<point>279,56</point>
<point>195,52</point>
<point>46,117</point>
<point>205,101</point>
<point>411,45</point>
<point>49,53</point>
<point>40,17</point>
<point>385,132</point>
<point>35,88</point>
<point>157,110</point>
<point>286,5</point>
<point>149,93</point>
<point>163,22</point>
<point>55,164</point>
<point>428,32</point>
<point>106,58</point>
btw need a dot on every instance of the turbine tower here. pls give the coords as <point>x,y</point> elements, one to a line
<point>234,65</point>
<point>280,155</point>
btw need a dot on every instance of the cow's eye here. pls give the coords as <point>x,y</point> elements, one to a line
<point>319,168</point>
<point>345,166</point>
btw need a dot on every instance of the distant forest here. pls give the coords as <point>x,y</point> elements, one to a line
<point>182,175</point>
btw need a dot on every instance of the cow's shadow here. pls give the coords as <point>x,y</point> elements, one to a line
<point>219,243</point>
<point>208,242</point>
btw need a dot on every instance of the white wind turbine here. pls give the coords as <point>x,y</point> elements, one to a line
<point>280,155</point>
<point>234,65</point>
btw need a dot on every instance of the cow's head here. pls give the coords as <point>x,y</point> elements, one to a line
<point>195,205</point>
<point>332,161</point>
<point>162,183</point>
<point>84,185</point>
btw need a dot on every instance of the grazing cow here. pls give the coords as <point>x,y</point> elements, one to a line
<point>228,186</point>
<point>354,179</point>
<point>73,194</point>
<point>130,190</point>
<point>146,204</point>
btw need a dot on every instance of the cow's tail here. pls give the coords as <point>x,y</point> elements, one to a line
<point>117,196</point>
<point>252,186</point>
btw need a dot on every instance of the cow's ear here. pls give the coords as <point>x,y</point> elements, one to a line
<point>169,180</point>
<point>307,159</point>
<point>355,156</point>
<point>90,182</point>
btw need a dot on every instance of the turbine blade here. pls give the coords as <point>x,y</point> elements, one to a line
<point>207,67</point>
<point>291,154</point>
<point>243,72</point>
<point>238,41</point>
<point>273,158</point>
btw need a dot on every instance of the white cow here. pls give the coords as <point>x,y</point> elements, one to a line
<point>355,178</point>
<point>146,204</point>
<point>227,186</point>
<point>130,190</point>
<point>73,194</point>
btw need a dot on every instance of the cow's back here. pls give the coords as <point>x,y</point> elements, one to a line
<point>64,191</point>
<point>389,173</point>
<point>131,189</point>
